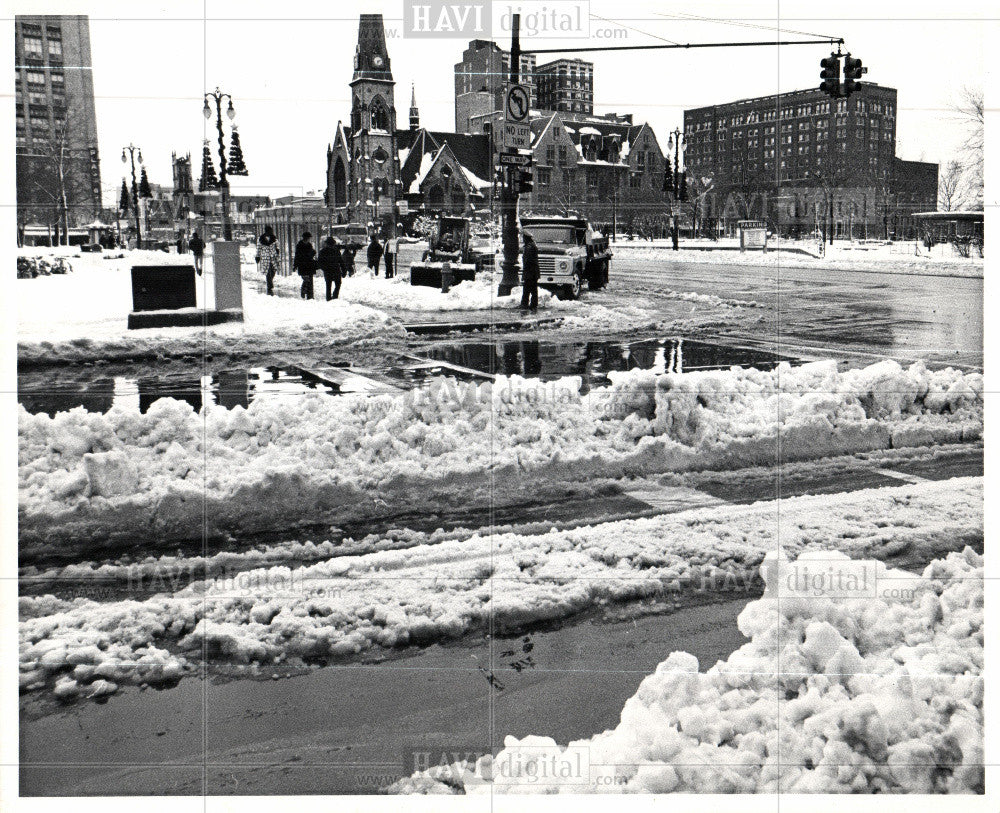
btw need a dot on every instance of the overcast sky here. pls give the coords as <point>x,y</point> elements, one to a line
<point>289,75</point>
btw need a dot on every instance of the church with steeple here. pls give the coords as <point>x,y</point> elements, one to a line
<point>376,173</point>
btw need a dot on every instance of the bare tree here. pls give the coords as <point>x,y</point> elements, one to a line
<point>950,186</point>
<point>54,173</point>
<point>970,110</point>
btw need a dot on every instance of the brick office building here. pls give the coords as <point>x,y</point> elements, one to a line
<point>57,162</point>
<point>805,162</point>
<point>480,78</point>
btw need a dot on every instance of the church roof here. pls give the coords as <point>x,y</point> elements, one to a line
<point>471,151</point>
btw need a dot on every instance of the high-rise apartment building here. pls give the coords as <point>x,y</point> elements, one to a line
<point>58,166</point>
<point>566,86</point>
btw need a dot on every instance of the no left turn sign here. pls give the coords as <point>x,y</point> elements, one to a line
<point>518,103</point>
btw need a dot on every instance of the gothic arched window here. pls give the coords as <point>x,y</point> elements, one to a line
<point>379,114</point>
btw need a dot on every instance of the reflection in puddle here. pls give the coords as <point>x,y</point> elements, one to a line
<point>592,361</point>
<point>467,361</point>
<point>228,388</point>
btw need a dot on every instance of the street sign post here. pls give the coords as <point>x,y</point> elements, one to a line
<point>516,129</point>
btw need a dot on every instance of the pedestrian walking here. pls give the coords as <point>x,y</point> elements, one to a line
<point>304,263</point>
<point>332,264</point>
<point>529,274</point>
<point>374,253</point>
<point>390,256</point>
<point>267,257</point>
<point>348,255</point>
<point>182,245</point>
<point>197,246</point>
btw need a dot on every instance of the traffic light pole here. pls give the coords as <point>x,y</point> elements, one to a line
<point>509,180</point>
<point>508,185</point>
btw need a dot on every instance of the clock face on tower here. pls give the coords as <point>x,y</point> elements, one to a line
<point>377,61</point>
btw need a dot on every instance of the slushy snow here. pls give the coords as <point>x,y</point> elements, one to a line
<point>874,695</point>
<point>338,608</point>
<point>86,477</point>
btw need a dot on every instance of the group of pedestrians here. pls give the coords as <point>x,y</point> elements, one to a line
<point>334,263</point>
<point>337,264</point>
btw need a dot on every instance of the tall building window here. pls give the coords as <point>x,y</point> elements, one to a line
<point>33,47</point>
<point>550,154</point>
<point>55,48</point>
<point>35,77</point>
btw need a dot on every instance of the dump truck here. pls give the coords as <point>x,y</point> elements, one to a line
<point>450,242</point>
<point>570,253</point>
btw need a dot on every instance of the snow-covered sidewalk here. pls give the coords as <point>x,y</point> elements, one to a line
<point>82,316</point>
<point>879,259</point>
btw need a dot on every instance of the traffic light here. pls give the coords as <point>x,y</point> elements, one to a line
<point>668,178</point>
<point>524,180</point>
<point>852,73</point>
<point>830,75</point>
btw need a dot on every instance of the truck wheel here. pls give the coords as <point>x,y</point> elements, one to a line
<point>573,290</point>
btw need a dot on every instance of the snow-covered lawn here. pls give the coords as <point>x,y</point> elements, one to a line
<point>83,316</point>
<point>172,472</point>
<point>831,695</point>
<point>345,605</point>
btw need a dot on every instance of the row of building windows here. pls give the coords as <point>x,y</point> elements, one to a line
<point>35,48</point>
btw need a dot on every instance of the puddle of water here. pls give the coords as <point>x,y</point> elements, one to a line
<point>228,388</point>
<point>467,361</point>
<point>592,361</point>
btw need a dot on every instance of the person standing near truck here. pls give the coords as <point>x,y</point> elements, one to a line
<point>529,274</point>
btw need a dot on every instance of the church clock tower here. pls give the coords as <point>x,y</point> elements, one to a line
<point>374,157</point>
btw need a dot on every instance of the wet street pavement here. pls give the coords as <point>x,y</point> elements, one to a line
<point>859,316</point>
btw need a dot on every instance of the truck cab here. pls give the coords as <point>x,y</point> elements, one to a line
<point>570,253</point>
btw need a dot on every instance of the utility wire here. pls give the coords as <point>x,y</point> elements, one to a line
<point>686,16</point>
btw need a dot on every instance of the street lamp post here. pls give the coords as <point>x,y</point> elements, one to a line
<point>132,150</point>
<point>674,143</point>
<point>217,96</point>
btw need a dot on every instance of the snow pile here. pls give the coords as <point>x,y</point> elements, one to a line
<point>315,458</point>
<point>83,316</point>
<point>341,607</point>
<point>873,695</point>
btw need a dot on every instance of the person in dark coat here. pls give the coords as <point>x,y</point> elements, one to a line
<point>389,256</point>
<point>332,265</point>
<point>374,253</point>
<point>348,255</point>
<point>529,274</point>
<point>197,246</point>
<point>182,245</point>
<point>267,256</point>
<point>304,263</point>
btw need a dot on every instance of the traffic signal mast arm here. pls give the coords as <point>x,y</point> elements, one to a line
<point>516,179</point>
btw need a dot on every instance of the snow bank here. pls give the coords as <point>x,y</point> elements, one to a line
<point>900,259</point>
<point>82,316</point>
<point>315,458</point>
<point>338,608</point>
<point>874,695</point>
